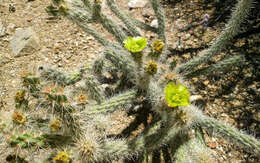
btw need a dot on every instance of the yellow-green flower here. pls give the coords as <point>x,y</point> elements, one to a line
<point>176,95</point>
<point>158,46</point>
<point>135,44</point>
<point>61,157</point>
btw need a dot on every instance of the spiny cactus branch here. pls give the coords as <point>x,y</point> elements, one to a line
<point>77,16</point>
<point>113,103</point>
<point>232,29</point>
<point>121,59</point>
<point>60,77</point>
<point>82,17</point>
<point>96,12</point>
<point>152,138</point>
<point>227,132</point>
<point>231,134</point>
<point>219,67</point>
<point>88,4</point>
<point>160,133</point>
<point>92,87</point>
<point>128,21</point>
<point>113,149</point>
<point>160,17</point>
<point>124,18</point>
<point>144,26</point>
<point>110,25</point>
<point>193,150</point>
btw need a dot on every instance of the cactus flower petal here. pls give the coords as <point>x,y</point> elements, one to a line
<point>176,95</point>
<point>135,44</point>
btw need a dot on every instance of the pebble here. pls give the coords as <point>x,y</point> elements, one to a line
<point>137,3</point>
<point>154,23</point>
<point>196,97</point>
<point>186,36</point>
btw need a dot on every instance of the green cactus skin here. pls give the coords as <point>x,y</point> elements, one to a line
<point>128,21</point>
<point>26,140</point>
<point>113,103</point>
<point>222,66</point>
<point>93,89</point>
<point>239,15</point>
<point>60,77</point>
<point>88,4</point>
<point>231,134</point>
<point>193,150</point>
<point>33,84</point>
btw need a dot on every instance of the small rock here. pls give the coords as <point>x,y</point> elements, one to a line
<point>29,20</point>
<point>196,97</point>
<point>137,3</point>
<point>24,42</point>
<point>60,64</point>
<point>154,23</point>
<point>206,82</point>
<point>186,37</point>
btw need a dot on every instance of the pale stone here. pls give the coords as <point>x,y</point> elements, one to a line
<point>137,3</point>
<point>196,97</point>
<point>24,42</point>
<point>154,23</point>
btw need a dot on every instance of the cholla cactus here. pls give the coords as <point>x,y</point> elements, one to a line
<point>82,125</point>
